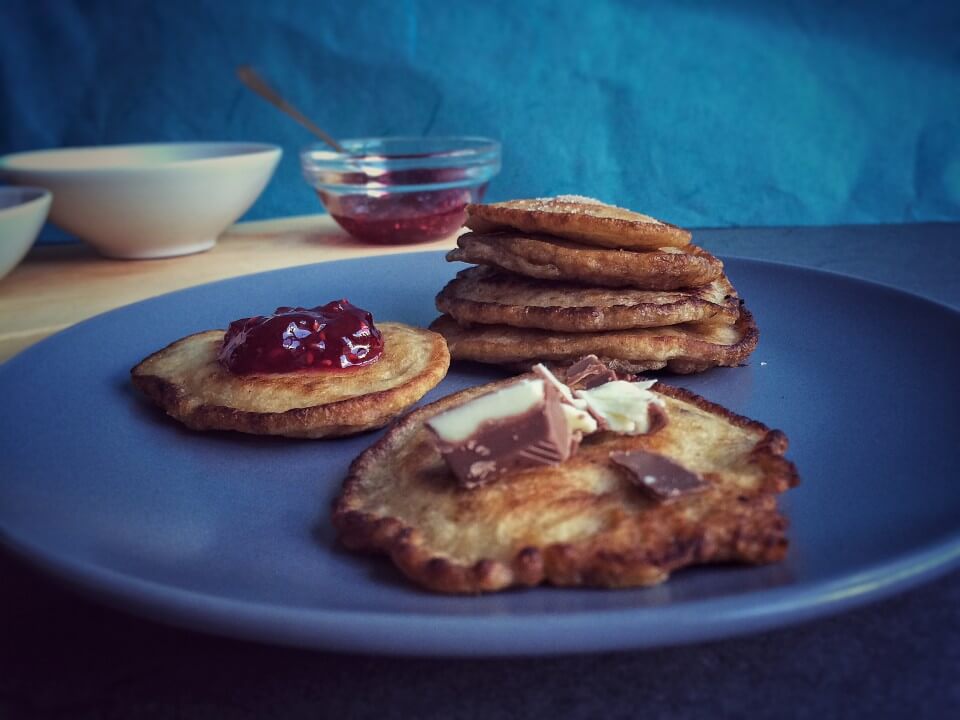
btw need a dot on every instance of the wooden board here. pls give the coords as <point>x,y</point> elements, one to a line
<point>58,285</point>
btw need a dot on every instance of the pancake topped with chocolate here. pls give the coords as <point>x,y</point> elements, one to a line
<point>627,509</point>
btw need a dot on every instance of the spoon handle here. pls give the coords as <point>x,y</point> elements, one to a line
<point>249,77</point>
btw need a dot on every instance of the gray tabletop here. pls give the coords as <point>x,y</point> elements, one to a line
<point>63,656</point>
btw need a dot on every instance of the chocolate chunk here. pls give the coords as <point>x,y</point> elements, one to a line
<point>531,429</point>
<point>588,372</point>
<point>625,407</point>
<point>660,477</point>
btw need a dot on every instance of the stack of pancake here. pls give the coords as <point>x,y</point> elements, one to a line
<point>560,278</point>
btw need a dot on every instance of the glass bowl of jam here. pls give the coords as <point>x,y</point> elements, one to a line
<point>401,189</point>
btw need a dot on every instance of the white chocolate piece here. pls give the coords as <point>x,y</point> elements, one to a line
<point>622,406</point>
<point>579,420</point>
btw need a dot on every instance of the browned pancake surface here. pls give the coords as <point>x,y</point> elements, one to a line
<point>582,219</point>
<point>579,523</point>
<point>186,380</point>
<point>495,297</point>
<point>691,347</point>
<point>549,258</point>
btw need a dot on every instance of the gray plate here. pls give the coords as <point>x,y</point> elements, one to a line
<point>230,534</point>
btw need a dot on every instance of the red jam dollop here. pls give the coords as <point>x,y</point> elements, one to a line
<point>333,336</point>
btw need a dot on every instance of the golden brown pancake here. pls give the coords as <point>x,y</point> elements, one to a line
<point>582,219</point>
<point>186,380</point>
<point>579,523</point>
<point>549,258</point>
<point>493,297</point>
<point>687,348</point>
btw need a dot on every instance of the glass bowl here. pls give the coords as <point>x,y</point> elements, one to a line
<point>401,189</point>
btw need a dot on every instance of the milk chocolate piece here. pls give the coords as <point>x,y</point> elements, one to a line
<point>587,373</point>
<point>660,477</point>
<point>539,434</point>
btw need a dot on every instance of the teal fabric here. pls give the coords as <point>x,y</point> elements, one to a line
<point>721,114</point>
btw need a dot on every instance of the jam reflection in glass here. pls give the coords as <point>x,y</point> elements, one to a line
<point>332,336</point>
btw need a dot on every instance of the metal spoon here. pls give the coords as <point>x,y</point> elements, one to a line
<point>249,77</point>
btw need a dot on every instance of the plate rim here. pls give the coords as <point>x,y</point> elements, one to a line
<point>489,635</point>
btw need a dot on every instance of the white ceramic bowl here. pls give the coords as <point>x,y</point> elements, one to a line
<point>147,201</point>
<point>22,212</point>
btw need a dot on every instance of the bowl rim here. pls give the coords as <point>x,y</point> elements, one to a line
<point>328,170</point>
<point>41,196</point>
<point>232,151</point>
<point>466,147</point>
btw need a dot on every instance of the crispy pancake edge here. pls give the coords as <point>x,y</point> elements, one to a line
<point>561,563</point>
<point>549,258</point>
<point>336,419</point>
<point>711,355</point>
<point>578,224</point>
<point>585,318</point>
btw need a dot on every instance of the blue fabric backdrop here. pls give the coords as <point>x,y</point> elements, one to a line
<point>734,113</point>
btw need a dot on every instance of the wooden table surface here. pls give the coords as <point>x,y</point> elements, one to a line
<point>57,286</point>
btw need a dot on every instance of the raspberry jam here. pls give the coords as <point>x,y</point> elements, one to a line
<point>403,216</point>
<point>332,336</point>
<point>399,217</point>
